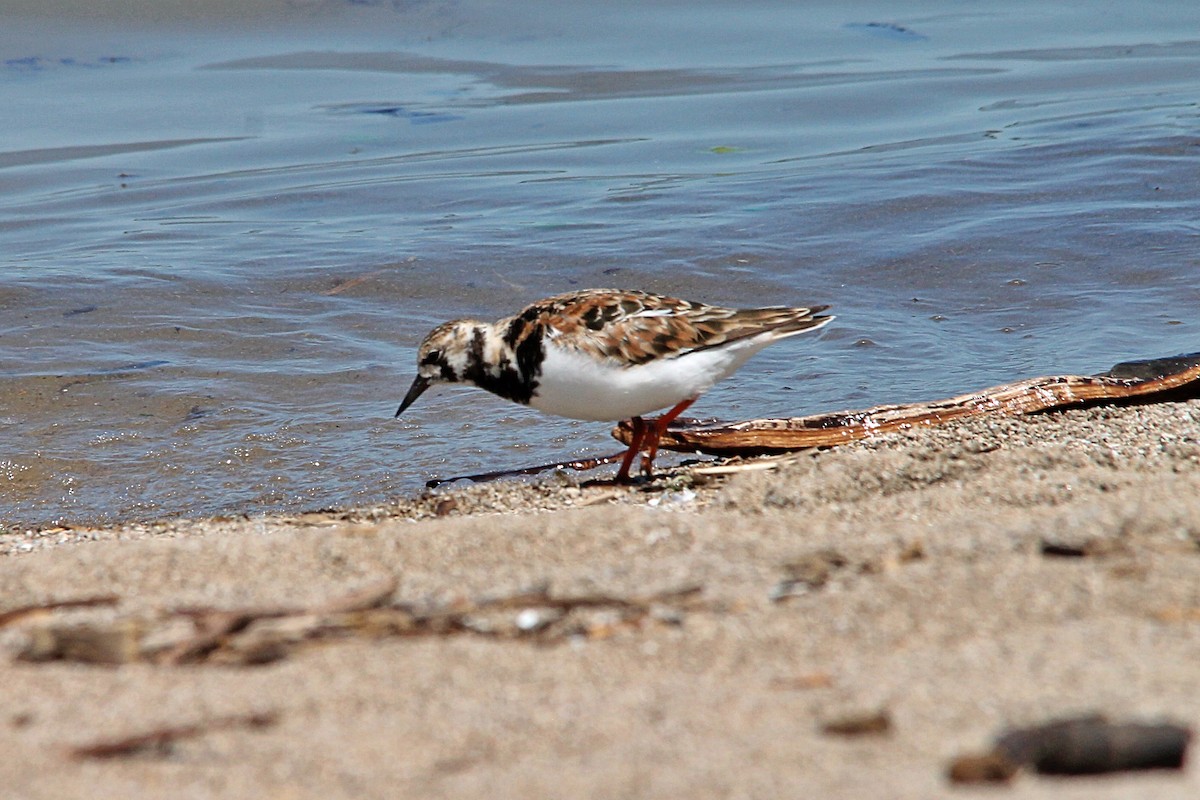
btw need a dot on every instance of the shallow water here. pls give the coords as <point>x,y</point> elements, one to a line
<point>225,229</point>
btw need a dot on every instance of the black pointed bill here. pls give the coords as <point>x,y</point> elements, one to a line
<point>419,385</point>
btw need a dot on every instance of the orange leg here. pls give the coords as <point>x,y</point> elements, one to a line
<point>658,428</point>
<point>635,446</point>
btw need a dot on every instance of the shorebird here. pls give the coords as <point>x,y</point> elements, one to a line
<point>606,354</point>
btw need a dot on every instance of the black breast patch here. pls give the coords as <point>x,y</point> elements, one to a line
<point>516,382</point>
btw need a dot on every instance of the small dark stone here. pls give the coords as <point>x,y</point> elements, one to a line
<point>981,768</point>
<point>1060,550</point>
<point>810,572</point>
<point>1092,745</point>
<point>871,723</point>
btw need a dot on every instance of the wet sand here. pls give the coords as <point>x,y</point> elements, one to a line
<point>959,580</point>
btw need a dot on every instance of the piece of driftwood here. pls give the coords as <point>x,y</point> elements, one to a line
<point>85,642</point>
<point>215,627</point>
<point>1132,381</point>
<point>14,614</point>
<point>160,740</point>
<point>260,635</point>
<point>534,614</point>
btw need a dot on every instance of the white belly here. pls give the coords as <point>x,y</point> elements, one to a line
<point>576,386</point>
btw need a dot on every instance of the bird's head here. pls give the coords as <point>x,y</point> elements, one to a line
<point>442,357</point>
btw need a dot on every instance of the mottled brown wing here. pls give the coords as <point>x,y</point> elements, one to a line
<point>636,327</point>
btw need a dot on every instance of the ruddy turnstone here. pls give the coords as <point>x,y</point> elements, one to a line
<point>606,354</point>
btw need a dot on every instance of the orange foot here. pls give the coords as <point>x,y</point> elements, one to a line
<point>652,432</point>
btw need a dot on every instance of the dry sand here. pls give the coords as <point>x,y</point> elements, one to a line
<point>906,575</point>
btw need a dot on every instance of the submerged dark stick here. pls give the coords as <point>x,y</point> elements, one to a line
<point>579,465</point>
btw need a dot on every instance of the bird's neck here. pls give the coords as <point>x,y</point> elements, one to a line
<point>494,364</point>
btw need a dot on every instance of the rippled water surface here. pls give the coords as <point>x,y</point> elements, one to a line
<point>224,228</point>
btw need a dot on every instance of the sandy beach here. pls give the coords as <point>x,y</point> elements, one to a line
<point>697,638</point>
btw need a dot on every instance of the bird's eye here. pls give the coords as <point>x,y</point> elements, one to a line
<point>432,357</point>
